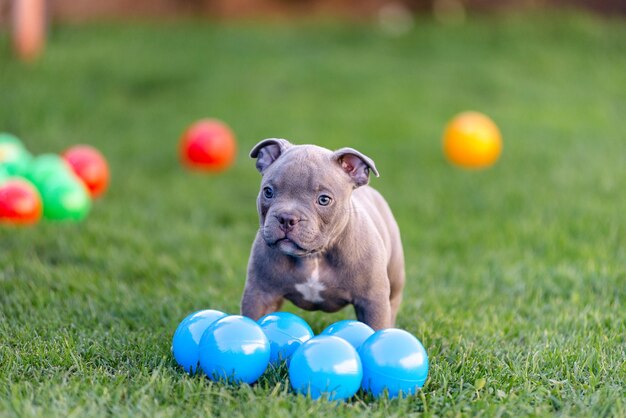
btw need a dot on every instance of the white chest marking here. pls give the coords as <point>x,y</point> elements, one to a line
<point>311,289</point>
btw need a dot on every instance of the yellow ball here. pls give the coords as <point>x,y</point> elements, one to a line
<point>472,140</point>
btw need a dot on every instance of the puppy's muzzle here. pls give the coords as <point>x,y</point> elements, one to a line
<point>287,221</point>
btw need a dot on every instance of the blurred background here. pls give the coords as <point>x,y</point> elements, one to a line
<point>73,10</point>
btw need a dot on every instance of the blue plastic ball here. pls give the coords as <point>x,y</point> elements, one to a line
<point>394,360</point>
<point>234,348</point>
<point>286,332</point>
<point>354,332</point>
<point>186,341</point>
<point>326,365</point>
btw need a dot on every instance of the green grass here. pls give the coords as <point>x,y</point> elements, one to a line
<point>516,275</point>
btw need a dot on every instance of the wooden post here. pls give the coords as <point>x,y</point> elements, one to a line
<point>29,28</point>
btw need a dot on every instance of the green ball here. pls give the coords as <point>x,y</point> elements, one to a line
<point>65,199</point>
<point>9,138</point>
<point>14,157</point>
<point>4,174</point>
<point>47,167</point>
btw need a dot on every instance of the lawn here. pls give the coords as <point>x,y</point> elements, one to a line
<point>516,275</point>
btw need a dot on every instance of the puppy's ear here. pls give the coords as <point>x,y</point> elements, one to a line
<point>356,165</point>
<point>268,151</point>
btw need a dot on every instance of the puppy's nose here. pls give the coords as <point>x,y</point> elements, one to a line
<point>287,221</point>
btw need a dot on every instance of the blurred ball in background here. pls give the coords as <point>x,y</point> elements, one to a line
<point>90,166</point>
<point>20,203</point>
<point>14,157</point>
<point>208,145</point>
<point>472,140</point>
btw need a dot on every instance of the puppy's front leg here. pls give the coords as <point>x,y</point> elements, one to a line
<point>255,302</point>
<point>374,311</point>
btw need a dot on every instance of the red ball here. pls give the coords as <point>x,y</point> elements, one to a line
<point>20,203</point>
<point>208,145</point>
<point>90,166</point>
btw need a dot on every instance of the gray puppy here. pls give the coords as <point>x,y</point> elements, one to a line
<point>326,238</point>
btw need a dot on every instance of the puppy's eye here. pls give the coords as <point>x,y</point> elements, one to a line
<point>268,192</point>
<point>324,200</point>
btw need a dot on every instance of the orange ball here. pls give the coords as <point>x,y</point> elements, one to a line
<point>208,145</point>
<point>472,140</point>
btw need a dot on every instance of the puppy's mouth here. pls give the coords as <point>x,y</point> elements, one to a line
<point>287,246</point>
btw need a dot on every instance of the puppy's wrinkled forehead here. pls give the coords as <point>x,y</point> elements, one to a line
<point>307,167</point>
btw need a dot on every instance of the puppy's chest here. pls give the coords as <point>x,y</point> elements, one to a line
<point>315,286</point>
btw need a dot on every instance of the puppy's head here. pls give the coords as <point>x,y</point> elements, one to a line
<point>304,201</point>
